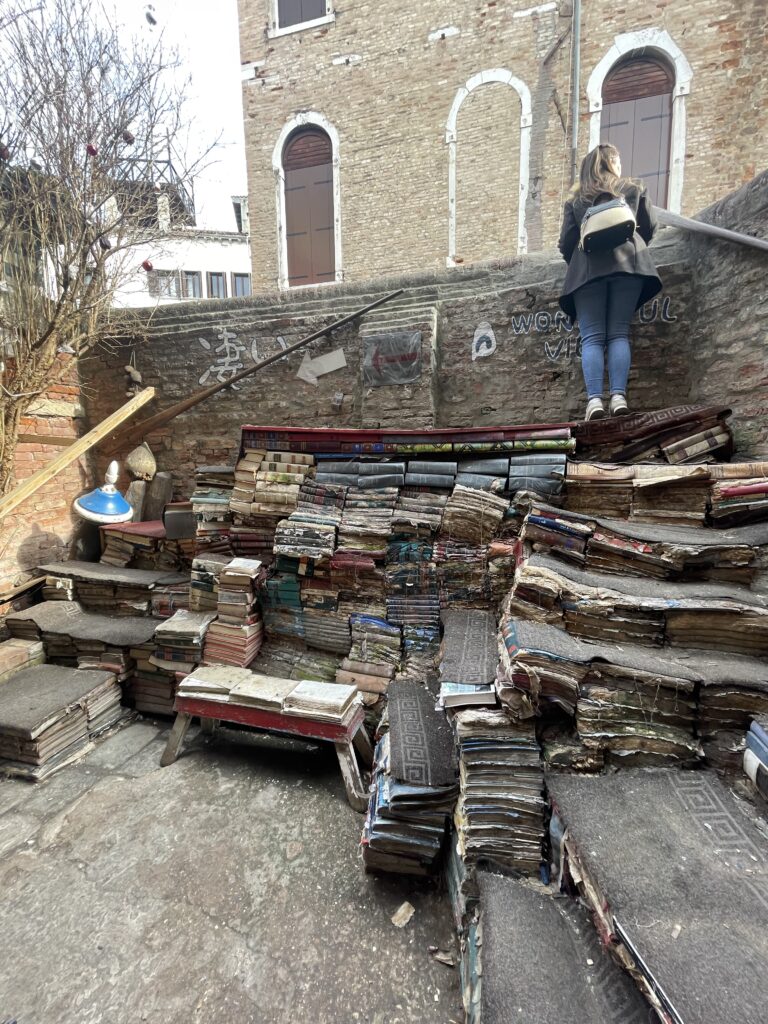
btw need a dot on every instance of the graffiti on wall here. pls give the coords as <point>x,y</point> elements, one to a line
<point>562,341</point>
<point>231,355</point>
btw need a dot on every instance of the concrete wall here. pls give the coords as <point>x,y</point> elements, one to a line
<point>385,79</point>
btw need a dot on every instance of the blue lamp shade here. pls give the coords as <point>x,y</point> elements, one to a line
<point>104,504</point>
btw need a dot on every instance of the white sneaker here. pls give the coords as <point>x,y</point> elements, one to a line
<point>595,409</point>
<point>619,405</point>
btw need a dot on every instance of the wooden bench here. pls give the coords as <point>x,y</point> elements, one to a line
<point>346,738</point>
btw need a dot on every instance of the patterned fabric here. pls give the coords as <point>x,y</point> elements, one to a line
<point>422,749</point>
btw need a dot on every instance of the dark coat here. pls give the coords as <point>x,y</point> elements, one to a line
<point>632,257</point>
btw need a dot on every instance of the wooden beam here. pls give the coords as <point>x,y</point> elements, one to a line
<point>28,487</point>
<point>52,439</point>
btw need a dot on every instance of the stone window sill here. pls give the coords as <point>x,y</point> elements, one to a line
<point>303,26</point>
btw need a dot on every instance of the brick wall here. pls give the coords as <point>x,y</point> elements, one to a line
<point>386,80</point>
<point>495,349</point>
<point>729,344</point>
<point>43,527</point>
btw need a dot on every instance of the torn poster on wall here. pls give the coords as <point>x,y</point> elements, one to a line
<point>393,358</point>
<point>311,369</point>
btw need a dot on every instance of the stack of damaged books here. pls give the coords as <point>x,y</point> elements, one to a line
<point>642,549</point>
<point>366,522</point>
<point>418,513</point>
<point>210,506</point>
<point>651,612</point>
<point>323,702</point>
<point>374,655</point>
<point>307,535</point>
<point>663,859</point>
<point>71,635</point>
<point>237,633</point>
<point>739,493</point>
<point>684,433</point>
<point>414,786</point>
<point>677,496</point>
<point>542,475</point>
<point>204,583</point>
<point>462,573</point>
<point>16,654</point>
<point>500,815</point>
<point>484,474</point>
<point>472,516</point>
<point>49,716</point>
<point>277,482</point>
<point>179,640</point>
<point>115,590</point>
<point>150,689</point>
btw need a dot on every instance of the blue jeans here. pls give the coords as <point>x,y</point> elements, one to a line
<point>604,309</point>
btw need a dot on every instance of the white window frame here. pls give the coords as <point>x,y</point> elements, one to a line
<point>526,122</point>
<point>308,117</point>
<point>650,41</point>
<point>275,30</point>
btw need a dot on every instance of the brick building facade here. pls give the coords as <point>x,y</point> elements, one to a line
<point>440,132</point>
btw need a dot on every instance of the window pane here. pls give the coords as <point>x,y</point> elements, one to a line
<point>295,12</point>
<point>193,284</point>
<point>168,284</point>
<point>217,286</point>
<point>241,285</point>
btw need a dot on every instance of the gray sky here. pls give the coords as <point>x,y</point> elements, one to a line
<point>206,35</point>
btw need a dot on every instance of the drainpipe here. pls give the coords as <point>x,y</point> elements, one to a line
<point>575,77</point>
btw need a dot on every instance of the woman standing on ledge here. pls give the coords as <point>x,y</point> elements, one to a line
<point>604,288</point>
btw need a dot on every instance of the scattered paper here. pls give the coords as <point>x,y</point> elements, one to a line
<point>444,956</point>
<point>676,930</point>
<point>403,914</point>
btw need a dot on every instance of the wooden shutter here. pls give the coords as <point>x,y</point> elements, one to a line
<point>637,119</point>
<point>309,213</point>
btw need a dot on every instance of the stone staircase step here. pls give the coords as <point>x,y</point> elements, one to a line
<point>675,869</point>
<point>541,960</point>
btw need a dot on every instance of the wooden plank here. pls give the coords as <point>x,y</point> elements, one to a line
<point>52,439</point>
<point>71,454</point>
<point>363,746</point>
<point>350,772</point>
<point>175,739</point>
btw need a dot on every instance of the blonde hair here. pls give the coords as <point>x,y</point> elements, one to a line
<point>597,175</point>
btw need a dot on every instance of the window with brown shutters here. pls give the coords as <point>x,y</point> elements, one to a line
<point>637,119</point>
<point>296,12</point>
<point>309,212</point>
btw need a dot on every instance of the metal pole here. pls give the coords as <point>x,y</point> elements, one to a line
<point>575,86</point>
<point>675,220</point>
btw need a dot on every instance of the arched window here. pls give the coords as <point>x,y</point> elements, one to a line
<point>309,214</point>
<point>637,119</point>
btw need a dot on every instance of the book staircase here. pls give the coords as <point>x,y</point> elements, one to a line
<point>547,642</point>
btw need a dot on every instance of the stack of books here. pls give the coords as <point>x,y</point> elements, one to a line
<point>472,516</point>
<point>132,544</point>
<point>406,823</point>
<point>543,475</point>
<point>204,584</point>
<point>49,716</point>
<point>236,636</point>
<point>150,689</point>
<point>500,814</point>
<point>210,506</point>
<point>179,640</point>
<point>324,702</point>
<point>16,654</point>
